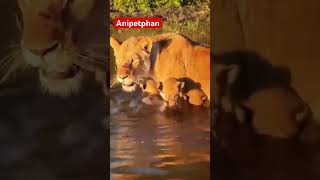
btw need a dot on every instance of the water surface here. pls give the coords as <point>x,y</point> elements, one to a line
<point>148,144</point>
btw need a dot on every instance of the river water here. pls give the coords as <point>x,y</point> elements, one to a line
<point>147,144</point>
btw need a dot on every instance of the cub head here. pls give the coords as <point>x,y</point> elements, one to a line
<point>171,91</point>
<point>50,42</point>
<point>196,97</point>
<point>150,87</point>
<point>132,58</point>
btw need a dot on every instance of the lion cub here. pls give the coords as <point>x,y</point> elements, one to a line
<point>278,112</point>
<point>172,91</point>
<point>150,88</point>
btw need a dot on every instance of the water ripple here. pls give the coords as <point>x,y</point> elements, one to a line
<point>147,144</point>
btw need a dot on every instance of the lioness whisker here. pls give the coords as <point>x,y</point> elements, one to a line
<point>11,65</point>
<point>90,66</point>
<point>113,81</point>
<point>95,54</point>
<point>6,59</point>
<point>19,23</point>
<point>90,58</point>
<point>12,47</point>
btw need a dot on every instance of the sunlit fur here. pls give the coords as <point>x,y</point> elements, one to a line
<point>48,45</point>
<point>161,57</point>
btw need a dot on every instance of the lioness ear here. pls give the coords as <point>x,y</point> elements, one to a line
<point>146,44</point>
<point>114,44</point>
<point>80,9</point>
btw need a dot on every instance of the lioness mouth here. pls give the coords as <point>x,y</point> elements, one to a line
<point>70,72</point>
<point>128,85</point>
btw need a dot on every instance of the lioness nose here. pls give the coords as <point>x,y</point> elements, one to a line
<point>123,76</point>
<point>43,52</point>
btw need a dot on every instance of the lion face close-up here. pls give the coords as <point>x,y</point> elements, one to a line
<point>132,60</point>
<point>51,40</point>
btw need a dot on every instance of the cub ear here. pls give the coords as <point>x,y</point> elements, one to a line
<point>114,44</point>
<point>81,9</point>
<point>185,97</point>
<point>181,94</point>
<point>181,85</point>
<point>204,98</point>
<point>145,43</point>
<point>159,86</point>
<point>143,86</point>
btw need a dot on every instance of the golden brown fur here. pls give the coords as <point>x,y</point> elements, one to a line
<point>162,56</point>
<point>196,97</point>
<point>48,43</point>
<point>150,87</point>
<point>277,112</point>
<point>171,91</point>
<point>284,35</point>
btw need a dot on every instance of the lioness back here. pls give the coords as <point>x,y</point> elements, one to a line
<point>182,58</point>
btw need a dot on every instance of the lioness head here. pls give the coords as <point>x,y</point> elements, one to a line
<point>196,97</point>
<point>150,87</point>
<point>132,60</point>
<point>50,42</point>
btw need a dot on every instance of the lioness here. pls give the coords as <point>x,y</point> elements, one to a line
<point>56,41</point>
<point>162,56</point>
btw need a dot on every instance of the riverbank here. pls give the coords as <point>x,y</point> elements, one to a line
<point>188,18</point>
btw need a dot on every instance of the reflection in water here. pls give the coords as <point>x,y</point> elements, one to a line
<point>146,144</point>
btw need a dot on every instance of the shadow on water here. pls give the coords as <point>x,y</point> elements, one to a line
<point>239,152</point>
